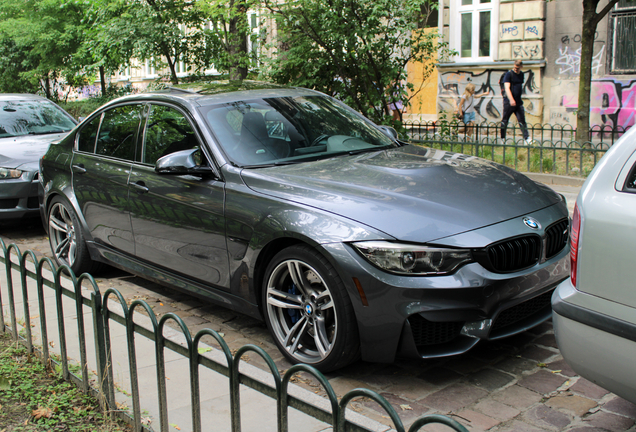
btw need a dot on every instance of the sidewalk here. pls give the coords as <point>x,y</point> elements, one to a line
<point>258,412</point>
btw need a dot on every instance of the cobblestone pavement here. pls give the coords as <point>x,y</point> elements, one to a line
<point>519,384</point>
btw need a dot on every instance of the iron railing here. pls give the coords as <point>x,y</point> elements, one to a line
<point>85,294</point>
<point>550,149</point>
<point>490,131</point>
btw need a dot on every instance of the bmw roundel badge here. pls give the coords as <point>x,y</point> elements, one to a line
<point>308,309</point>
<point>531,223</point>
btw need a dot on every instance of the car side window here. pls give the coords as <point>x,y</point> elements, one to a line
<point>630,183</point>
<point>118,133</point>
<point>88,135</point>
<point>167,131</point>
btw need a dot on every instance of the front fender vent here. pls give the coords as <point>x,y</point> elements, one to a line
<point>427,332</point>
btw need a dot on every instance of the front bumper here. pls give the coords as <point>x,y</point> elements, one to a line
<point>427,317</point>
<point>19,197</point>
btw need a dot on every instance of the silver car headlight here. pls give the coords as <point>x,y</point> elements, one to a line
<point>9,173</point>
<point>410,259</point>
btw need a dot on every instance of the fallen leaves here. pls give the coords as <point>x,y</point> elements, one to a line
<point>42,412</point>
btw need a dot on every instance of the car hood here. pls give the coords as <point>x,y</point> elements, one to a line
<point>411,193</point>
<point>15,152</point>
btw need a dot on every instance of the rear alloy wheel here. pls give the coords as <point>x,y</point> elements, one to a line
<point>308,311</point>
<point>66,238</point>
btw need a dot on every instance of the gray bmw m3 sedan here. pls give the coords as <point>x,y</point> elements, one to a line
<point>287,205</point>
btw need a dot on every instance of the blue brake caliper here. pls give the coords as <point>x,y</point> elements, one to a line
<point>294,314</point>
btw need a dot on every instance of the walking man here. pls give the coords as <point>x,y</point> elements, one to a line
<point>513,85</point>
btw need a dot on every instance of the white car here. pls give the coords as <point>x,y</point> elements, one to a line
<point>594,311</point>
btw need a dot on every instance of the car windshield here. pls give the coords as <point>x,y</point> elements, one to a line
<point>32,117</point>
<point>271,131</point>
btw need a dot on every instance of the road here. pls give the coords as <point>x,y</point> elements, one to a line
<point>518,384</point>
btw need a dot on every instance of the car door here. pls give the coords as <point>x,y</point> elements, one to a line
<point>177,220</point>
<point>100,170</point>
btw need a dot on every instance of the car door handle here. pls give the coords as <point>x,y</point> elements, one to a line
<point>79,169</point>
<point>140,187</point>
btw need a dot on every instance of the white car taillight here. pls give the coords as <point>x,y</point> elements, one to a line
<point>574,243</point>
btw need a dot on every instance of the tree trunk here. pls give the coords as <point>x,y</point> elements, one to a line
<point>47,86</point>
<point>585,77</point>
<point>237,43</point>
<point>590,21</point>
<point>102,80</point>
<point>173,73</point>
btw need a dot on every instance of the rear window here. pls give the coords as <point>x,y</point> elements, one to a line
<point>630,183</point>
<point>32,117</point>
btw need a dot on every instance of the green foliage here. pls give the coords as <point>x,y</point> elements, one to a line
<point>226,41</point>
<point>355,50</point>
<point>152,30</point>
<point>38,39</point>
<point>83,107</point>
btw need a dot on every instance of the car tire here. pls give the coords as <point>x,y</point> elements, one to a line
<point>308,310</point>
<point>67,239</point>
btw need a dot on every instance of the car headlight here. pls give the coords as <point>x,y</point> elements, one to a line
<point>8,173</point>
<point>409,259</point>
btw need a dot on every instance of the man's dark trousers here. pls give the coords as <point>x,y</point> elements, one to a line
<point>521,118</point>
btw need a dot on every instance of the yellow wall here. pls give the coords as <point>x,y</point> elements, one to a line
<point>424,103</point>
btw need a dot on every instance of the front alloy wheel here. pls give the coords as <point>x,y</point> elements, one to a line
<point>62,235</point>
<point>308,311</point>
<point>67,240</point>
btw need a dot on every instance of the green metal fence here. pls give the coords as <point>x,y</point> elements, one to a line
<point>85,293</point>
<point>549,149</point>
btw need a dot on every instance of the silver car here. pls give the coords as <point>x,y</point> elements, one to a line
<point>595,309</point>
<point>28,124</point>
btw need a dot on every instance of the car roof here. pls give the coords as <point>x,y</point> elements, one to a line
<point>20,96</point>
<point>215,92</point>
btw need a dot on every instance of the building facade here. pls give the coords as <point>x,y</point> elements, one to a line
<point>489,35</point>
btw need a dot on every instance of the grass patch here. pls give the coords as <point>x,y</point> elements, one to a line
<point>34,398</point>
<point>536,158</point>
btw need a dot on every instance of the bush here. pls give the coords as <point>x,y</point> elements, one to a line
<point>84,107</point>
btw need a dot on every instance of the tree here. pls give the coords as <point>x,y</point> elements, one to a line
<point>591,18</point>
<point>227,40</point>
<point>104,51</point>
<point>39,38</point>
<point>160,31</point>
<point>356,50</point>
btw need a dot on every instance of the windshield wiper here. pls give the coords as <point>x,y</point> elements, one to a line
<point>48,132</point>
<point>367,150</point>
<point>269,165</point>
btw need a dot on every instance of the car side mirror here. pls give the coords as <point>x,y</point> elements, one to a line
<point>182,162</point>
<point>389,131</point>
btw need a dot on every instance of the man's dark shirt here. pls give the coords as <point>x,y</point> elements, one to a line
<point>516,85</point>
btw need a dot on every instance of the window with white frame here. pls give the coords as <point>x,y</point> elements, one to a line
<point>475,29</point>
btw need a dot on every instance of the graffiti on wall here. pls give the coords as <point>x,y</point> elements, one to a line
<point>569,61</point>
<point>613,103</point>
<point>527,50</point>
<point>488,108</point>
